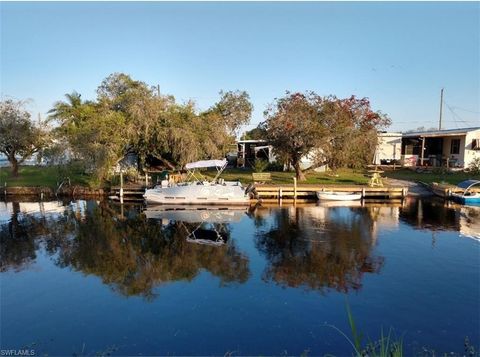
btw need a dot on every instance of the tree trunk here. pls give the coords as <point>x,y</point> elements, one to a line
<point>298,171</point>
<point>14,163</point>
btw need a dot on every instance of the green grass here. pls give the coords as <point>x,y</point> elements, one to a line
<point>429,177</point>
<point>48,176</point>
<point>345,177</point>
<point>45,176</point>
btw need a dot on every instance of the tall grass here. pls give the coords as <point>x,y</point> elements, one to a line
<point>386,346</point>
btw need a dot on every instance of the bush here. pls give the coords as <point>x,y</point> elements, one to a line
<point>275,166</point>
<point>260,165</point>
<point>474,166</point>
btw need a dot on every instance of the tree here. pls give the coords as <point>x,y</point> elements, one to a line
<point>258,133</point>
<point>95,133</point>
<point>20,138</point>
<point>352,128</point>
<point>293,126</point>
<point>235,108</point>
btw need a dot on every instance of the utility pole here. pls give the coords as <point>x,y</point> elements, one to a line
<point>441,109</point>
<point>158,90</point>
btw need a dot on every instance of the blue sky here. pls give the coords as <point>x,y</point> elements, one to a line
<point>398,54</point>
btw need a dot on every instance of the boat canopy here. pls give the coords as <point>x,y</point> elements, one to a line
<point>466,185</point>
<point>206,163</point>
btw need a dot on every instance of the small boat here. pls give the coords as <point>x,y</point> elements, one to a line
<point>198,191</point>
<point>338,196</point>
<point>467,196</point>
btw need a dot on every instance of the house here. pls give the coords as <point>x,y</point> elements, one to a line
<point>436,148</point>
<point>389,148</point>
<point>250,150</point>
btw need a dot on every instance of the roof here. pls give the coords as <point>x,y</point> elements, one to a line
<point>468,183</point>
<point>251,141</point>
<point>434,133</point>
<point>206,163</point>
<point>389,134</point>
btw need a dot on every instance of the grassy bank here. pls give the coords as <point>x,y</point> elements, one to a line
<point>429,177</point>
<point>48,176</point>
<point>44,176</point>
<point>345,177</point>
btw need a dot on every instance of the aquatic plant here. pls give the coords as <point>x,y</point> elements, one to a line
<point>386,346</point>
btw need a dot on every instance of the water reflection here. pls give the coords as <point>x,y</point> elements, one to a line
<point>319,247</point>
<point>134,251</point>
<point>440,215</point>
<point>132,255</point>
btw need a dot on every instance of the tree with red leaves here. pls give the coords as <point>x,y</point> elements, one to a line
<point>353,128</point>
<point>294,128</point>
<point>342,132</point>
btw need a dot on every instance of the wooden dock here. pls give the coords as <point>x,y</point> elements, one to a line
<point>285,191</point>
<point>129,193</point>
<point>446,190</point>
<point>306,191</point>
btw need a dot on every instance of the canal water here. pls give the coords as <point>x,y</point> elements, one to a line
<point>89,277</point>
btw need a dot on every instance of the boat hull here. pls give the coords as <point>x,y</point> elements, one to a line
<point>472,199</point>
<point>338,196</point>
<point>199,194</point>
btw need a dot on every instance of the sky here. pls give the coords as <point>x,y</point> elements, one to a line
<point>399,55</point>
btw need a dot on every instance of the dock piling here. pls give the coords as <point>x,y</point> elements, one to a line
<point>294,188</point>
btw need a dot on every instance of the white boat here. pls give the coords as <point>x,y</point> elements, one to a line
<point>468,196</point>
<point>198,191</point>
<point>338,196</point>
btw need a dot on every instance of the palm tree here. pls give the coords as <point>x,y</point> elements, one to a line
<point>71,111</point>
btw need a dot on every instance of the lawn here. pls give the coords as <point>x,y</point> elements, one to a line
<point>345,177</point>
<point>432,176</point>
<point>45,176</point>
<point>48,176</point>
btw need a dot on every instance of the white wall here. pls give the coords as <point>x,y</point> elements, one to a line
<point>470,154</point>
<point>389,147</point>
<point>466,155</point>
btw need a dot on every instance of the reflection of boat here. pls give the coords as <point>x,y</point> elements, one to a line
<point>198,191</point>
<point>206,221</point>
<point>468,196</point>
<point>338,196</point>
<point>195,214</point>
<point>333,203</point>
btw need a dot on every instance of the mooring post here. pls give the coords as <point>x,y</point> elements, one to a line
<point>146,179</point>
<point>363,192</point>
<point>121,185</point>
<point>294,188</point>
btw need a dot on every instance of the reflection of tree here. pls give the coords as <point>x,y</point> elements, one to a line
<point>319,253</point>
<point>21,236</point>
<point>133,256</point>
<point>17,249</point>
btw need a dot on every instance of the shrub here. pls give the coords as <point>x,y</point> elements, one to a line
<point>474,166</point>
<point>275,166</point>
<point>260,165</point>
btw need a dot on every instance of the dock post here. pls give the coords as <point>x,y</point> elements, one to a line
<point>280,191</point>
<point>363,192</point>
<point>146,179</point>
<point>121,187</point>
<point>404,192</point>
<point>294,188</point>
